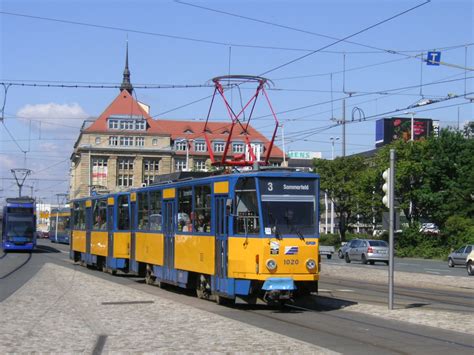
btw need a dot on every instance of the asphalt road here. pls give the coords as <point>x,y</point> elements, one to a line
<point>319,320</point>
<point>431,267</point>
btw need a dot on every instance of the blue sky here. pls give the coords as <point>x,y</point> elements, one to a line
<point>43,51</point>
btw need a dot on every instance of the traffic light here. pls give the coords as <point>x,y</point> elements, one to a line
<point>386,187</point>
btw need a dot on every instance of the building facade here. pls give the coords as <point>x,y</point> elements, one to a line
<point>125,147</point>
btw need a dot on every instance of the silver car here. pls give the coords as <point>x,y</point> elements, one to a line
<point>367,251</point>
<point>341,252</point>
<point>458,257</point>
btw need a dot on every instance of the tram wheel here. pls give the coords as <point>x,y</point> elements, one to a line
<point>203,289</point>
<point>149,278</point>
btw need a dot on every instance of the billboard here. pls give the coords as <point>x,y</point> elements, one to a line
<point>389,129</point>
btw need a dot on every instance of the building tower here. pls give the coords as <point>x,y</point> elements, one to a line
<point>126,84</point>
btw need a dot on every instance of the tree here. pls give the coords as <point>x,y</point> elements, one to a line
<point>342,179</point>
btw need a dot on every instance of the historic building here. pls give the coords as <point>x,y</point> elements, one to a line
<point>125,147</point>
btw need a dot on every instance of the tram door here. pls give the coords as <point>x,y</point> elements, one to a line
<point>220,228</point>
<point>168,231</point>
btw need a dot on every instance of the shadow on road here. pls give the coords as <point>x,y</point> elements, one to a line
<point>45,249</point>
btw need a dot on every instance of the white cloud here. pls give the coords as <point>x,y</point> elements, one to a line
<point>54,116</point>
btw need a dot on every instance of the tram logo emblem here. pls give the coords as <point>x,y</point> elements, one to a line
<point>291,250</point>
<point>274,248</point>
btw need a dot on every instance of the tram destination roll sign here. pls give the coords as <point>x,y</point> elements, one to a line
<point>287,187</point>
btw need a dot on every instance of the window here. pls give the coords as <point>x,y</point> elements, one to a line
<point>151,168</point>
<point>97,140</point>
<point>143,211</point>
<point>155,210</point>
<point>139,141</point>
<point>79,215</point>
<point>154,141</point>
<point>124,180</point>
<point>200,165</point>
<point>123,222</point>
<point>126,141</point>
<point>99,214</point>
<point>180,145</point>
<point>99,171</point>
<point>185,205</point>
<point>180,164</point>
<point>125,163</point>
<point>113,124</point>
<point>202,209</point>
<point>113,140</point>
<point>219,147</point>
<point>246,206</point>
<point>200,146</point>
<point>140,125</point>
<point>127,122</point>
<point>238,147</point>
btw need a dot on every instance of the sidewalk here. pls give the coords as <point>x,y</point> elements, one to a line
<point>64,311</point>
<point>455,321</point>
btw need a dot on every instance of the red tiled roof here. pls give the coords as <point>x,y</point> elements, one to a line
<point>125,104</point>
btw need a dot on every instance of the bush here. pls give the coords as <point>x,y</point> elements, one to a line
<point>412,243</point>
<point>458,231</point>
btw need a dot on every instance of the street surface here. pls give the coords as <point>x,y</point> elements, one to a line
<point>431,267</point>
<point>68,308</point>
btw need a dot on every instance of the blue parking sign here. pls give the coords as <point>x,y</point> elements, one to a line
<point>433,58</point>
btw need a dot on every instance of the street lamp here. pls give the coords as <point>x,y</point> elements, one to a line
<point>333,140</point>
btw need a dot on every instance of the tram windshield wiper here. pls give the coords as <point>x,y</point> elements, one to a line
<point>300,234</point>
<point>275,229</point>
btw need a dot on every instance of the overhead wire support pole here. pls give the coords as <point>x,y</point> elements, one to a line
<point>391,228</point>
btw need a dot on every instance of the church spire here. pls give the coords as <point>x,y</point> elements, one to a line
<point>126,85</point>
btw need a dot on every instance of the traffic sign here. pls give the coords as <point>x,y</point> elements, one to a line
<point>433,58</point>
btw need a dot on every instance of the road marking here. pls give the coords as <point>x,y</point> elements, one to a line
<point>324,290</point>
<point>442,270</point>
<point>433,272</point>
<point>407,264</point>
<point>345,290</point>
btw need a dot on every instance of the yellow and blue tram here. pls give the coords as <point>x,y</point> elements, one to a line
<point>248,235</point>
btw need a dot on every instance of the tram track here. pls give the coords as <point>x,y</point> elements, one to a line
<point>16,265</point>
<point>421,296</point>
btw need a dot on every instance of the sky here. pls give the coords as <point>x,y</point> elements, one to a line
<point>295,44</point>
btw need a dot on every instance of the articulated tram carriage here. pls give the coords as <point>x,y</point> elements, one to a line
<point>59,225</point>
<point>246,235</point>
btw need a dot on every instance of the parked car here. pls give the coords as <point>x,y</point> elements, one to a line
<point>327,250</point>
<point>429,228</point>
<point>341,252</point>
<point>470,263</point>
<point>367,251</point>
<point>458,257</point>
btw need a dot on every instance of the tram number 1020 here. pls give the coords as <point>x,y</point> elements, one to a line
<point>290,261</point>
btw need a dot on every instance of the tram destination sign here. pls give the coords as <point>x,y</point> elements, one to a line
<point>281,186</point>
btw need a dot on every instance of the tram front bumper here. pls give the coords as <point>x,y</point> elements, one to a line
<point>277,289</point>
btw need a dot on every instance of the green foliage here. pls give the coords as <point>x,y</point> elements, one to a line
<point>458,231</point>
<point>412,243</point>
<point>329,239</point>
<point>434,183</point>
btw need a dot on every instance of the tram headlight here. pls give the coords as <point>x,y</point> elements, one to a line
<point>310,264</point>
<point>271,264</point>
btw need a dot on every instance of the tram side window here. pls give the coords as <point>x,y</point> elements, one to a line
<point>143,209</point>
<point>155,210</point>
<point>99,214</point>
<point>202,209</point>
<point>123,222</point>
<point>246,219</point>
<point>79,215</point>
<point>185,206</point>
